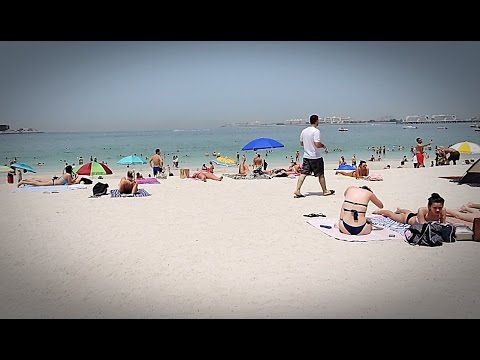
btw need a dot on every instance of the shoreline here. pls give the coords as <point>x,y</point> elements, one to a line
<point>145,169</point>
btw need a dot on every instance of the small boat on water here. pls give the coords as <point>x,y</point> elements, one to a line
<point>442,128</point>
<point>342,129</point>
<point>410,127</point>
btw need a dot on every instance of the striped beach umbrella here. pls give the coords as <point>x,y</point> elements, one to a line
<point>466,147</point>
<point>92,169</point>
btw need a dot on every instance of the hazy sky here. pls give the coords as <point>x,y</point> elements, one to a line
<point>101,86</point>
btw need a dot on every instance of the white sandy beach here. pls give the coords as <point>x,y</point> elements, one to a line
<point>229,249</point>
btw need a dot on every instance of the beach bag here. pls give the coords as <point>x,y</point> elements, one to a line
<point>85,180</point>
<point>430,234</point>
<point>100,189</point>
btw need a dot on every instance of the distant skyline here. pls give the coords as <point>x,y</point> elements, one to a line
<point>144,85</point>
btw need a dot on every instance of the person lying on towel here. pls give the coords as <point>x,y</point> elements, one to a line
<point>68,178</point>
<point>361,172</point>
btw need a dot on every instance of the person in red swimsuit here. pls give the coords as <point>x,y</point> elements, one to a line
<point>419,151</point>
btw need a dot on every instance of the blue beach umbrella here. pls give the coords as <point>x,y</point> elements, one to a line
<point>22,166</point>
<point>130,160</point>
<point>262,143</point>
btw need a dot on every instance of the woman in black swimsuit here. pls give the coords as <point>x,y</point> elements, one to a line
<point>434,211</point>
<point>352,214</point>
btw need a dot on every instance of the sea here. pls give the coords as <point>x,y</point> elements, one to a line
<point>50,151</point>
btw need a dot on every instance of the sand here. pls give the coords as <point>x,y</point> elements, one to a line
<point>229,249</point>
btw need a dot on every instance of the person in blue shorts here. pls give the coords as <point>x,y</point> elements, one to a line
<point>156,162</point>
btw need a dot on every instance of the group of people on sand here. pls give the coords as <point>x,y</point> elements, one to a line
<point>293,169</point>
<point>206,173</point>
<point>352,218</point>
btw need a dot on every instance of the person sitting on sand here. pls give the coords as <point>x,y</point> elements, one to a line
<point>467,212</point>
<point>353,219</point>
<point>257,163</point>
<point>243,168</point>
<point>361,172</point>
<point>433,212</point>
<point>68,178</point>
<point>204,175</point>
<point>342,161</point>
<point>294,169</point>
<point>451,155</point>
<point>128,185</point>
<point>211,167</point>
<point>19,175</point>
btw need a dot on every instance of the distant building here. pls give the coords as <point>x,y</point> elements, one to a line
<point>295,122</point>
<point>4,127</point>
<point>430,119</point>
<point>443,118</point>
<point>417,118</point>
<point>336,119</point>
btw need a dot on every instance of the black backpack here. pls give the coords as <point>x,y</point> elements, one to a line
<point>100,189</point>
<point>85,180</point>
<point>430,234</point>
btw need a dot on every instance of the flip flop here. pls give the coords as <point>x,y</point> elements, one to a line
<point>330,192</point>
<point>295,196</point>
<point>314,215</point>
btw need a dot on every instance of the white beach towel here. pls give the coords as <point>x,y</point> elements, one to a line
<point>384,234</point>
<point>47,188</point>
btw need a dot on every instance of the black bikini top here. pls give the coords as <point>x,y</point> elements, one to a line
<point>355,212</point>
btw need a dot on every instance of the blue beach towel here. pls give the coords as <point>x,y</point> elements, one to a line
<point>140,193</point>
<point>346,167</point>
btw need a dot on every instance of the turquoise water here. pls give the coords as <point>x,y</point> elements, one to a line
<point>54,149</point>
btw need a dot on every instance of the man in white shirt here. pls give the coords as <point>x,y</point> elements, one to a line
<point>312,159</point>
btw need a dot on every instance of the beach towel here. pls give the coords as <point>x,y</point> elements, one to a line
<point>383,234</point>
<point>388,223</point>
<point>346,168</point>
<point>250,176</point>
<point>49,188</point>
<point>374,177</point>
<point>140,193</point>
<point>148,181</point>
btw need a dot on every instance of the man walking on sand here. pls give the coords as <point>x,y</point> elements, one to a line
<point>156,162</point>
<point>312,160</point>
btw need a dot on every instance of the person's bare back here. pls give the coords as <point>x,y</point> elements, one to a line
<point>156,160</point>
